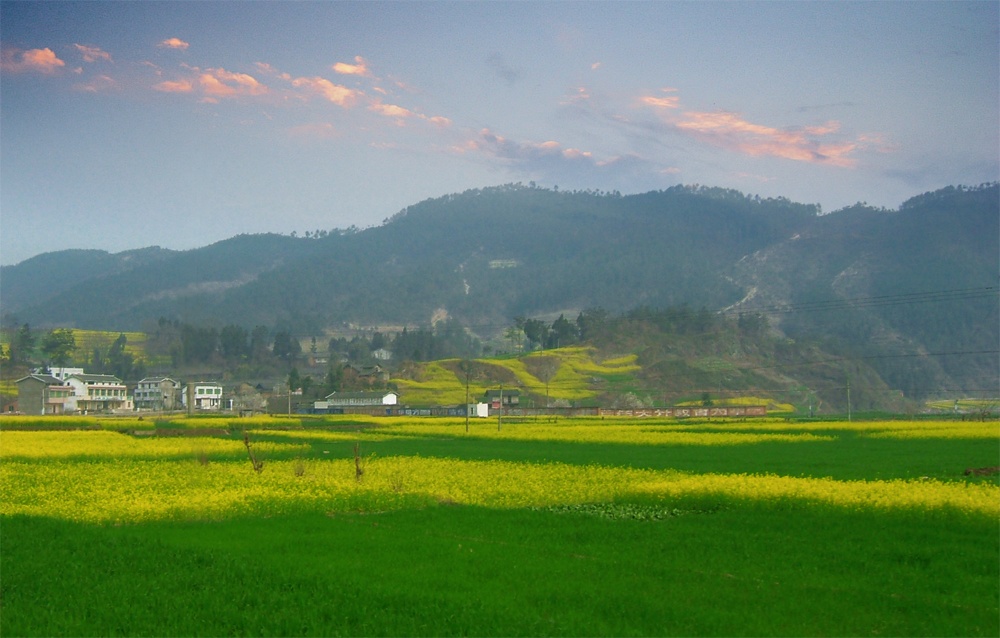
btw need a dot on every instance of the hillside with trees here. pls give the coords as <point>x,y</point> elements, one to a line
<point>910,292</point>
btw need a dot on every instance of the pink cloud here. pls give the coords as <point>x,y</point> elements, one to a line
<point>32,60</point>
<point>92,54</point>
<point>218,83</point>
<point>661,102</point>
<point>359,68</point>
<point>729,130</point>
<point>439,121</point>
<point>339,95</point>
<point>390,110</point>
<point>180,86</point>
<point>669,102</point>
<point>174,43</point>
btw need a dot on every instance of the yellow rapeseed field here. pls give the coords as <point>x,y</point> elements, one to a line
<point>106,477</point>
<point>634,434</point>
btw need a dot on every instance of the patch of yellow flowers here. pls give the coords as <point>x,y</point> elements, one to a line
<point>104,477</point>
<point>613,432</point>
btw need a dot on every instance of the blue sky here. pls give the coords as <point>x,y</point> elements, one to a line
<point>178,124</point>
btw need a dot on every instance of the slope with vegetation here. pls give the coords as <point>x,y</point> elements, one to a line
<point>909,295</point>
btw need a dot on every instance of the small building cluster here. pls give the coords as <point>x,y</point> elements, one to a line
<point>71,391</point>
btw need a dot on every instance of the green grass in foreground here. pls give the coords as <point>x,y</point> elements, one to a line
<point>704,570</point>
<point>696,565</point>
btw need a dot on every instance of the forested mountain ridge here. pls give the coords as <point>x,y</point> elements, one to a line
<point>482,256</point>
<point>485,256</point>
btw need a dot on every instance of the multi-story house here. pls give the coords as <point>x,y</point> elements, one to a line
<point>99,393</point>
<point>44,394</point>
<point>203,396</point>
<point>511,398</point>
<point>157,393</point>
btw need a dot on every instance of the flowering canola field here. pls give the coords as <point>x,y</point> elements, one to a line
<point>109,477</point>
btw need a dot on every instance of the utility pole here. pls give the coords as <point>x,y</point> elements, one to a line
<point>848,398</point>
<point>500,411</point>
<point>466,367</point>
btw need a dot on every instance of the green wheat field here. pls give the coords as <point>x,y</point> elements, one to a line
<point>577,527</point>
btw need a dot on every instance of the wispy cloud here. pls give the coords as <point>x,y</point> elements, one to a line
<point>336,93</point>
<point>92,54</point>
<point>30,61</point>
<point>672,102</point>
<point>219,83</point>
<point>667,102</point>
<point>174,43</point>
<point>97,84</point>
<point>815,144</point>
<point>360,67</point>
<point>500,67</point>
<point>730,131</point>
<point>313,131</point>
<point>179,86</point>
<point>399,113</point>
<point>501,147</point>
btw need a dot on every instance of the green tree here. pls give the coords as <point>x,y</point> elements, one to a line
<point>121,363</point>
<point>233,342</point>
<point>286,347</point>
<point>22,347</point>
<point>535,330</point>
<point>260,343</point>
<point>334,379</point>
<point>294,380</point>
<point>563,333</point>
<point>58,346</point>
<point>198,344</point>
<point>592,323</point>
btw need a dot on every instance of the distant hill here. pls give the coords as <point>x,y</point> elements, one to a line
<point>900,286</point>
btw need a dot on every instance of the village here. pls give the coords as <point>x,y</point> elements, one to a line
<point>66,391</point>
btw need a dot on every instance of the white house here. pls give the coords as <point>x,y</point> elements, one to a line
<point>205,396</point>
<point>358,399</point>
<point>61,373</point>
<point>99,392</point>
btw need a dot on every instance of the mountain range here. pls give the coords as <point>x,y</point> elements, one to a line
<point>912,288</point>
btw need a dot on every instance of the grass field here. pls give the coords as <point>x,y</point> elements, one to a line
<point>585,527</point>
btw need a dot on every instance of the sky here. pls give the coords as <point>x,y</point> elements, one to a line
<point>179,124</point>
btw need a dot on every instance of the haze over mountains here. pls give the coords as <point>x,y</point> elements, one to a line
<point>918,280</point>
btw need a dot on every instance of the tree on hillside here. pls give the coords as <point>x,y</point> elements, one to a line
<point>536,331</point>
<point>234,342</point>
<point>260,343</point>
<point>198,344</point>
<point>562,333</point>
<point>58,346</point>
<point>22,347</point>
<point>545,371</point>
<point>286,347</point>
<point>294,380</point>
<point>121,363</point>
<point>334,379</point>
<point>591,323</point>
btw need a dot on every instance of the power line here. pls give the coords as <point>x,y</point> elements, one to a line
<point>876,301</point>
<point>874,356</point>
